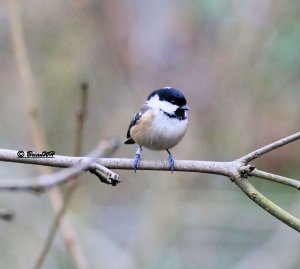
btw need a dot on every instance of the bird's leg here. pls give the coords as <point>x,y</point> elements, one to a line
<point>171,161</point>
<point>137,158</point>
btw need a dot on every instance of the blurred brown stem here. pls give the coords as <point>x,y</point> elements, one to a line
<point>37,128</point>
<point>81,116</point>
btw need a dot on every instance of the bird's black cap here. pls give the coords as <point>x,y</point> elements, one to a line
<point>169,94</point>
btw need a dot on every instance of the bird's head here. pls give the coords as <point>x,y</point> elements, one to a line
<point>169,100</point>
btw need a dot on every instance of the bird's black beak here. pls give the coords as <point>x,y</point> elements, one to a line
<point>185,107</point>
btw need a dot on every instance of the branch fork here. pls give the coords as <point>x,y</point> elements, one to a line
<point>245,170</point>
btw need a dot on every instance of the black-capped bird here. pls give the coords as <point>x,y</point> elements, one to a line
<point>160,123</point>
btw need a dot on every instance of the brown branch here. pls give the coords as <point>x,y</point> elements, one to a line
<point>81,116</point>
<point>259,152</point>
<point>38,133</point>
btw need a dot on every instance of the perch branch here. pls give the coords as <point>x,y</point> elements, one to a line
<point>236,170</point>
<point>221,168</point>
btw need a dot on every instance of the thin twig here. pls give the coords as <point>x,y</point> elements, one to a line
<point>81,117</point>
<point>267,204</point>
<point>259,152</point>
<point>48,181</point>
<point>276,178</point>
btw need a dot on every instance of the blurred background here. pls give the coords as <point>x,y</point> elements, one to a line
<point>238,64</point>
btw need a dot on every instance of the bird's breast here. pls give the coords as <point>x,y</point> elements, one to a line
<point>159,131</point>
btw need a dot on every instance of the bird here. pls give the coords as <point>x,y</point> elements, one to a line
<point>160,124</point>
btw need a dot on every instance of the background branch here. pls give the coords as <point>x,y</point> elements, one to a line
<point>37,126</point>
<point>81,116</point>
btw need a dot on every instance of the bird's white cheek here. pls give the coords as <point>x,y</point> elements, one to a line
<point>157,104</point>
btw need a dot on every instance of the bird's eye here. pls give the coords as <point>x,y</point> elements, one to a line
<point>172,102</point>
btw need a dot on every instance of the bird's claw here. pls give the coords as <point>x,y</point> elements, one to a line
<point>137,159</point>
<point>171,162</point>
<point>136,162</point>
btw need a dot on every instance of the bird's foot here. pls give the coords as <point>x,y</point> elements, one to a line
<point>137,159</point>
<point>171,161</point>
